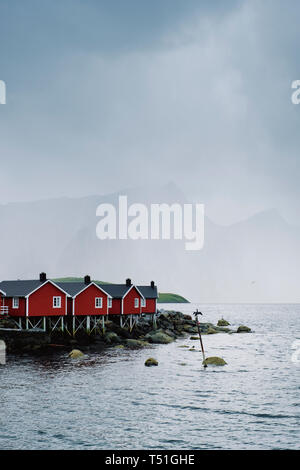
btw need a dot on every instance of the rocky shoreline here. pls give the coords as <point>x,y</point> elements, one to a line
<point>170,325</point>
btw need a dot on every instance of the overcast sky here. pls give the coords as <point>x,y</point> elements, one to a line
<point>104,95</point>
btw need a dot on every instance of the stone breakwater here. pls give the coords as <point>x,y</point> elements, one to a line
<point>170,325</point>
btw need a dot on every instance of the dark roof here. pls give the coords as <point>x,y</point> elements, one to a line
<point>22,288</point>
<point>148,291</point>
<point>19,288</point>
<point>72,288</point>
<point>117,291</point>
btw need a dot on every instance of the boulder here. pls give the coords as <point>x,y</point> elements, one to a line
<point>151,362</point>
<point>110,337</point>
<point>187,317</point>
<point>135,343</point>
<point>211,331</point>
<point>243,329</point>
<point>75,354</point>
<point>215,361</point>
<point>194,338</point>
<point>222,329</point>
<point>223,322</point>
<point>190,329</point>
<point>158,337</point>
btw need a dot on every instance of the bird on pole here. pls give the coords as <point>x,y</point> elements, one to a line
<point>200,337</point>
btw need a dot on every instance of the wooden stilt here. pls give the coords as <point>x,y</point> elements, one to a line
<point>88,324</point>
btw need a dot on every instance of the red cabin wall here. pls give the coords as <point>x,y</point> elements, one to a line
<point>84,303</point>
<point>15,312</point>
<point>115,309</point>
<point>40,303</point>
<point>128,302</point>
<point>150,306</point>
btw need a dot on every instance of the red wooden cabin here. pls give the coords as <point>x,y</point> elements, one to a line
<point>87,298</point>
<point>150,294</point>
<point>33,298</point>
<point>126,299</point>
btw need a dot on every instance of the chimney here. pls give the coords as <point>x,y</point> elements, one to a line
<point>128,282</point>
<point>87,280</point>
<point>43,277</point>
<point>152,284</point>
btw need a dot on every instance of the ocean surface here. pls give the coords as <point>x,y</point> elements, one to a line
<point>112,401</point>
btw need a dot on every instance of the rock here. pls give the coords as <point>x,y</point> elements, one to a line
<point>223,322</point>
<point>243,329</point>
<point>194,338</point>
<point>190,329</point>
<point>187,317</point>
<point>135,343</point>
<point>159,337</point>
<point>114,328</point>
<point>193,349</point>
<point>111,337</point>
<point>211,331</point>
<point>184,346</point>
<point>170,333</point>
<point>222,329</point>
<point>75,353</point>
<point>151,362</point>
<point>216,361</point>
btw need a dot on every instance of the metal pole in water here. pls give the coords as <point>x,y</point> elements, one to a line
<point>2,353</point>
<point>200,337</point>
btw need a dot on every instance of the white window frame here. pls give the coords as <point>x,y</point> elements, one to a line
<point>96,302</point>
<point>15,302</point>
<point>143,303</point>
<point>109,303</point>
<point>136,302</point>
<point>56,301</point>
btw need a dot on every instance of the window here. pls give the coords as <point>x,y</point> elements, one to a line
<point>109,303</point>
<point>136,303</point>
<point>56,302</point>
<point>15,302</point>
<point>143,302</point>
<point>98,302</point>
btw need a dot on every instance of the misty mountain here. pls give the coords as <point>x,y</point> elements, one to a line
<point>255,260</point>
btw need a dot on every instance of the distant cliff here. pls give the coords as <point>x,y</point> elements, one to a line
<point>167,298</point>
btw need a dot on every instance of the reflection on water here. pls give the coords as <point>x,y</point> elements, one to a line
<point>111,400</point>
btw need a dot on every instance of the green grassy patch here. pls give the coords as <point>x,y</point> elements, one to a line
<point>167,298</point>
